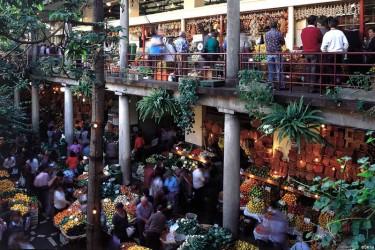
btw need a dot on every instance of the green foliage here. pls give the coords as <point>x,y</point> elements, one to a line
<point>158,104</point>
<point>254,92</point>
<point>334,93</point>
<point>360,81</point>
<point>353,204</point>
<point>145,71</point>
<point>14,120</point>
<point>294,122</point>
<point>188,88</point>
<point>84,88</point>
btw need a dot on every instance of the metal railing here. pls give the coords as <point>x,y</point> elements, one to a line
<point>170,67</point>
<point>313,72</point>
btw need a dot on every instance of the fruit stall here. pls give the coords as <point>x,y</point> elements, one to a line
<point>72,221</point>
<point>18,199</point>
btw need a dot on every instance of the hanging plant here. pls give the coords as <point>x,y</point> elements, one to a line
<point>254,92</point>
<point>188,88</point>
<point>294,122</point>
<point>158,104</point>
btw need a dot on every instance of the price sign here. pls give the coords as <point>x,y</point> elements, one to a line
<point>290,189</point>
<point>307,194</point>
<point>301,188</point>
<point>268,189</point>
<point>256,200</point>
<point>281,202</point>
<point>330,212</point>
<point>290,216</point>
<point>306,220</point>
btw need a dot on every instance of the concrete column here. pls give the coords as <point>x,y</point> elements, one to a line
<point>124,43</point>
<point>124,139</point>
<point>233,42</point>
<point>35,106</point>
<point>231,172</point>
<point>291,33</point>
<point>183,24</point>
<point>17,97</point>
<point>68,115</point>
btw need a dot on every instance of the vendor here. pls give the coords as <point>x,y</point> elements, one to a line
<point>279,228</point>
<point>143,211</point>
<point>120,222</point>
<point>59,201</point>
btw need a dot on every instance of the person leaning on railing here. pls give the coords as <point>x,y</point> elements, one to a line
<point>311,40</point>
<point>182,47</point>
<point>333,41</point>
<point>369,46</point>
<point>274,42</point>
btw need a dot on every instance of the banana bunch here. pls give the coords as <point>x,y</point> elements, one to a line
<point>243,245</point>
<point>22,197</point>
<point>20,207</point>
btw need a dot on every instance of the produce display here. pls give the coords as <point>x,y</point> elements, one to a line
<point>6,186</point>
<point>302,225</point>
<point>289,199</point>
<point>256,192</point>
<point>83,183</point>
<point>219,237</point>
<point>151,159</point>
<point>324,219</point>
<point>296,209</point>
<point>244,200</point>
<point>4,174</point>
<point>195,242</point>
<point>188,227</point>
<point>73,209</point>
<point>79,192</point>
<point>255,206</point>
<point>263,172</point>
<point>19,197</point>
<point>260,229</point>
<point>108,208</point>
<point>110,190</point>
<point>245,187</point>
<point>243,245</point>
<point>138,248</point>
<point>127,245</point>
<point>20,207</point>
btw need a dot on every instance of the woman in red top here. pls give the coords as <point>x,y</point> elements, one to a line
<point>139,147</point>
<point>72,161</point>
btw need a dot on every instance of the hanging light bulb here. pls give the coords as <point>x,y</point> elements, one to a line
<point>94,211</point>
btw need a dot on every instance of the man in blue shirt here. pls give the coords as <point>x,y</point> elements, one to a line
<point>171,183</point>
<point>182,47</point>
<point>274,42</point>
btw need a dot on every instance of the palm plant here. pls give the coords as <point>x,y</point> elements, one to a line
<point>158,104</point>
<point>294,122</point>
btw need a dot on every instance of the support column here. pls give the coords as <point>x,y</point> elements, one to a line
<point>17,97</point>
<point>231,185</point>
<point>233,42</point>
<point>124,139</point>
<point>35,106</point>
<point>183,24</point>
<point>124,43</point>
<point>68,115</point>
<point>291,33</point>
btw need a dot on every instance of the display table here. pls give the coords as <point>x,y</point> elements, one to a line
<point>257,217</point>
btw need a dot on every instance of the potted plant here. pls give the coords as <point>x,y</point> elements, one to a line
<point>158,104</point>
<point>145,72</point>
<point>294,122</point>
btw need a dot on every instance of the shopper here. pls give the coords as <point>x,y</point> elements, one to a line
<point>182,47</point>
<point>311,40</point>
<point>59,200</point>
<point>154,227</point>
<point>279,228</point>
<point>369,46</point>
<point>185,187</point>
<point>199,187</point>
<point>156,48</point>
<point>72,162</point>
<point>120,222</point>
<point>16,224</point>
<point>170,52</point>
<point>171,183</point>
<point>303,244</point>
<point>149,172</point>
<point>41,185</point>
<point>274,42</point>
<point>9,163</point>
<point>143,212</point>
<point>75,147</point>
<point>211,47</point>
<point>139,147</point>
<point>146,193</point>
<point>334,41</point>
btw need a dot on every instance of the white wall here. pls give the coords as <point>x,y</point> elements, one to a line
<point>197,137</point>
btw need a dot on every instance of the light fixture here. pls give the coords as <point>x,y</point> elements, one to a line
<point>109,11</point>
<point>83,99</point>
<point>108,4</point>
<point>62,89</point>
<point>94,211</point>
<point>95,125</point>
<point>323,126</point>
<point>333,169</point>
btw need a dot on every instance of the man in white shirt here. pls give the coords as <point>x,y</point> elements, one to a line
<point>41,184</point>
<point>9,163</point>
<point>59,201</point>
<point>198,187</point>
<point>334,41</point>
